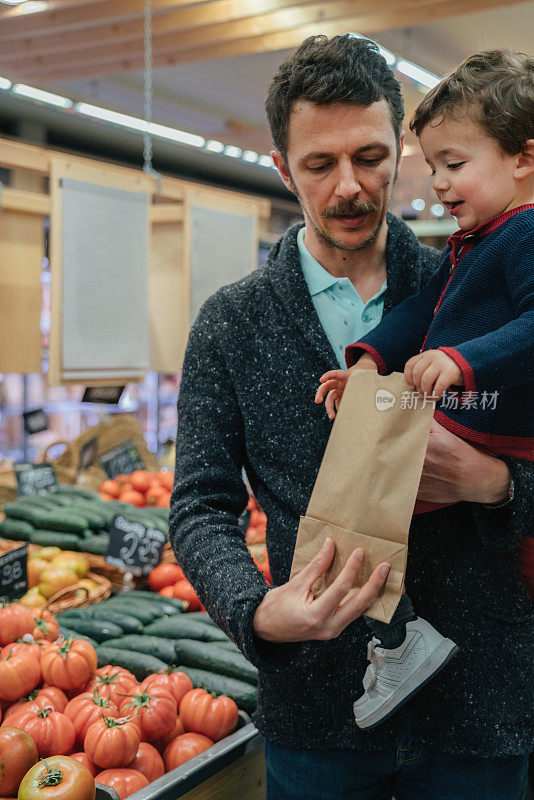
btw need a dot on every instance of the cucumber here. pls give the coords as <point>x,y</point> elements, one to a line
<point>151,645</point>
<point>78,491</point>
<point>96,545</point>
<point>144,615</point>
<point>46,538</point>
<point>227,646</point>
<point>244,694</point>
<point>206,655</point>
<point>179,627</point>
<point>140,664</point>
<point>97,629</point>
<point>15,529</point>
<point>68,634</point>
<point>142,595</point>
<point>59,519</point>
<point>201,616</point>
<point>159,609</point>
<point>128,623</point>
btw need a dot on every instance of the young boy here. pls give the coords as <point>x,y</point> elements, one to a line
<point>471,327</point>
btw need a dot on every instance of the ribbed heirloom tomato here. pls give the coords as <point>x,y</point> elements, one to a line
<point>215,717</point>
<point>84,759</point>
<point>46,627</point>
<point>112,682</point>
<point>153,708</point>
<point>87,708</point>
<point>35,649</point>
<point>70,664</point>
<point>20,672</point>
<point>162,743</point>
<point>45,696</point>
<point>148,762</point>
<point>15,621</point>
<point>17,754</point>
<point>183,748</point>
<point>124,781</point>
<point>52,732</point>
<point>112,742</point>
<point>178,683</point>
<point>58,778</point>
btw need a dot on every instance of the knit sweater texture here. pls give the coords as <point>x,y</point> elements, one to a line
<point>251,369</point>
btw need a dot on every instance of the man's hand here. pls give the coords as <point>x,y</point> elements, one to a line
<point>333,384</point>
<point>456,471</point>
<point>432,372</point>
<point>290,613</point>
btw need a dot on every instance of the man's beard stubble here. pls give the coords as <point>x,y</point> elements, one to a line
<point>345,208</point>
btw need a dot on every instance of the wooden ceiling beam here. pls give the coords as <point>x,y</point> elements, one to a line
<point>418,13</point>
<point>167,21</point>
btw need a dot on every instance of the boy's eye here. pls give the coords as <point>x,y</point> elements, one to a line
<point>456,165</point>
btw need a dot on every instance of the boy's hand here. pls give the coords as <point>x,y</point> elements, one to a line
<point>432,372</point>
<point>333,384</point>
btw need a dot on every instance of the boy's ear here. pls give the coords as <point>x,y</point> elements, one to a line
<point>525,161</point>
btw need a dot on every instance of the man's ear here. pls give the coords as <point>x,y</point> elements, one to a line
<point>280,165</point>
<point>525,161</point>
<point>400,148</point>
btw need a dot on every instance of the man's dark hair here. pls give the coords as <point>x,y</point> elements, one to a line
<point>343,69</point>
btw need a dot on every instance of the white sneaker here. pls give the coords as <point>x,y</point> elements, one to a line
<point>393,676</point>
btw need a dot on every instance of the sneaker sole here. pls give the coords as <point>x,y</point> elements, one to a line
<point>435,663</point>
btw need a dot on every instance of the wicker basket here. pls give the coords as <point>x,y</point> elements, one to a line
<point>114,575</point>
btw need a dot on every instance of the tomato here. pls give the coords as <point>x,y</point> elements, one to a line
<point>59,777</point>
<point>83,759</point>
<point>54,579</point>
<point>17,754</point>
<point>148,762</point>
<point>87,708</point>
<point>214,717</point>
<point>52,732</point>
<point>124,781</point>
<point>46,627</point>
<point>20,672</point>
<point>164,501</point>
<point>167,591</point>
<point>71,560</point>
<point>140,480</point>
<point>110,488</point>
<point>70,664</point>
<point>166,479</point>
<point>184,591</point>
<point>45,696</point>
<point>164,575</point>
<point>15,621</point>
<point>178,683</point>
<point>154,709</point>
<point>112,682</point>
<point>162,743</point>
<point>154,493</point>
<point>33,649</point>
<point>133,497</point>
<point>183,748</point>
<point>112,742</point>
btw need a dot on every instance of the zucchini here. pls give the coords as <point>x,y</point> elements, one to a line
<point>140,664</point>
<point>46,538</point>
<point>152,596</point>
<point>244,694</point>
<point>206,655</point>
<point>96,545</point>
<point>68,634</point>
<point>15,529</point>
<point>201,616</point>
<point>145,615</point>
<point>128,623</point>
<point>151,645</point>
<point>179,627</point>
<point>97,629</point>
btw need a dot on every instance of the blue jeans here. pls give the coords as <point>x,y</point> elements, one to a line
<point>407,773</point>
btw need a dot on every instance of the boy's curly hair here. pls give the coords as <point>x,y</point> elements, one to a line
<point>343,69</point>
<point>495,88</point>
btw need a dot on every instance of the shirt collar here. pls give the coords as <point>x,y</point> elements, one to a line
<point>486,227</point>
<point>316,276</point>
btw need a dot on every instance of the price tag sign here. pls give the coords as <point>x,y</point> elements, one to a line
<point>103,394</point>
<point>36,478</point>
<point>133,546</point>
<point>121,460</point>
<point>35,421</point>
<point>13,573</point>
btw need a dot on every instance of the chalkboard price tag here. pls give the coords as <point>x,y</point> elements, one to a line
<point>103,394</point>
<point>36,478</point>
<point>134,546</point>
<point>13,573</point>
<point>122,460</point>
<point>35,421</point>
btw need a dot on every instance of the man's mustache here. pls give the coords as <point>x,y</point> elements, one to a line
<point>349,208</point>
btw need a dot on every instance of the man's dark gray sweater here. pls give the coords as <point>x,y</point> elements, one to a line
<point>251,369</point>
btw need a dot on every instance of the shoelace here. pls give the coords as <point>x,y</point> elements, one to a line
<point>377,660</point>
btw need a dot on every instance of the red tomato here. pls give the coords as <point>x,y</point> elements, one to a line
<point>167,591</point>
<point>69,665</point>
<point>153,708</point>
<point>164,575</point>
<point>154,493</point>
<point>112,742</point>
<point>148,762</point>
<point>46,627</point>
<point>20,672</point>
<point>166,479</point>
<point>133,497</point>
<point>46,696</point>
<point>83,759</point>
<point>214,717</point>
<point>177,683</point>
<point>87,708</point>
<point>110,488</point>
<point>164,501</point>
<point>140,480</point>
<point>52,732</point>
<point>184,591</point>
<point>34,649</point>
<point>15,621</point>
<point>17,754</point>
<point>183,748</point>
<point>112,682</point>
<point>124,781</point>
<point>162,743</point>
<point>60,778</point>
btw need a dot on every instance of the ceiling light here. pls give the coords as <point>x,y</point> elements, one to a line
<point>214,146</point>
<point>418,204</point>
<point>163,131</point>
<point>233,152</point>
<point>437,210</point>
<point>13,2</point>
<point>265,161</point>
<point>43,97</point>
<point>5,84</point>
<point>250,156</point>
<point>417,74</point>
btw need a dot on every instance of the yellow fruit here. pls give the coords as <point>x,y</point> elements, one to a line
<point>87,583</point>
<point>54,579</point>
<point>74,561</point>
<point>32,598</point>
<point>48,553</point>
<point>35,568</point>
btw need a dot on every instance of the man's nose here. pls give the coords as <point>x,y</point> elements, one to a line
<point>347,184</point>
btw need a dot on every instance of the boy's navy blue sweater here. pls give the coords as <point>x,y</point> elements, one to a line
<point>479,309</point>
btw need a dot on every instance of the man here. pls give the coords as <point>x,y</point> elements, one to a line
<point>335,111</point>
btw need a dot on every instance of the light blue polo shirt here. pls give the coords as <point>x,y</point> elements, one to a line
<point>341,311</point>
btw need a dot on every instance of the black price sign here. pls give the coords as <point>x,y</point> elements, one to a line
<point>121,460</point>
<point>36,478</point>
<point>13,573</point>
<point>133,546</point>
<point>35,421</point>
<point>103,394</point>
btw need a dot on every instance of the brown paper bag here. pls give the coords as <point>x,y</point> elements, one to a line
<point>367,484</point>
